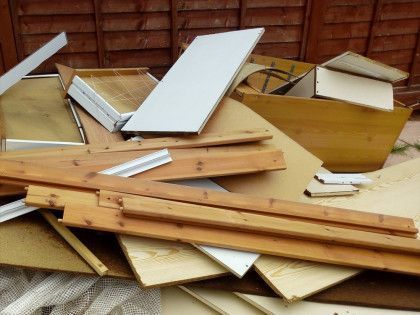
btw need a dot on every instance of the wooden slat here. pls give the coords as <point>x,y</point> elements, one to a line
<point>204,140</point>
<point>8,46</point>
<point>27,172</point>
<point>179,212</point>
<point>114,221</point>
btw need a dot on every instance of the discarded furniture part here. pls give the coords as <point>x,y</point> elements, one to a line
<point>349,139</point>
<point>42,119</point>
<point>111,96</point>
<point>14,209</point>
<point>351,62</point>
<point>74,242</point>
<point>222,302</point>
<point>166,108</point>
<point>30,242</point>
<point>323,83</point>
<point>342,179</point>
<point>22,69</point>
<point>204,140</point>
<point>393,191</point>
<point>267,83</point>
<point>318,189</point>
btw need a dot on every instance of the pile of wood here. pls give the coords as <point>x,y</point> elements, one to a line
<point>204,196</point>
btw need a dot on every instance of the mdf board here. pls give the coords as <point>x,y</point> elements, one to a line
<point>349,139</point>
<point>286,184</point>
<point>394,191</point>
<point>33,110</point>
<point>351,62</point>
<point>324,83</point>
<point>175,301</point>
<point>190,91</point>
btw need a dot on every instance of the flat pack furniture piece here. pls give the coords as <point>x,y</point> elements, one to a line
<point>351,62</point>
<point>23,68</point>
<point>35,115</point>
<point>349,139</point>
<point>111,96</point>
<point>191,90</point>
<point>323,83</point>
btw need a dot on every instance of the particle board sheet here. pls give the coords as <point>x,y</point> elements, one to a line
<point>159,262</point>
<point>34,109</point>
<point>351,62</point>
<point>175,301</point>
<point>222,302</point>
<point>286,184</point>
<point>394,191</point>
<point>335,85</point>
<point>195,84</point>
<point>275,306</point>
<point>369,133</point>
<point>30,242</point>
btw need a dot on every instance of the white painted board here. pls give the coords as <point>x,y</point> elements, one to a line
<point>343,179</point>
<point>236,261</point>
<point>276,306</point>
<point>23,68</point>
<point>191,90</point>
<point>354,89</point>
<point>354,63</point>
<point>16,144</point>
<point>305,87</point>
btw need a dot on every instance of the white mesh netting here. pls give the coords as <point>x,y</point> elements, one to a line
<point>36,292</point>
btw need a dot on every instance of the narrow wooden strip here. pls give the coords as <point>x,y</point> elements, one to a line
<point>186,163</point>
<point>113,220</point>
<point>180,212</point>
<point>74,242</point>
<point>204,140</point>
<point>15,171</point>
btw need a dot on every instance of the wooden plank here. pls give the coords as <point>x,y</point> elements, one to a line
<point>161,263</point>
<point>392,192</point>
<point>204,140</point>
<point>26,66</point>
<point>222,302</point>
<point>186,163</point>
<point>351,62</point>
<point>370,133</point>
<point>207,91</point>
<point>8,51</point>
<point>27,172</point>
<point>75,243</point>
<point>275,306</point>
<point>180,212</point>
<point>113,220</point>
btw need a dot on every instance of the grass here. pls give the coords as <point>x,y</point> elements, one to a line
<point>400,148</point>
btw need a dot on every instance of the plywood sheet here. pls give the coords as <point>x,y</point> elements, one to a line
<point>34,109</point>
<point>195,84</point>
<point>354,63</point>
<point>394,191</point>
<point>175,301</point>
<point>287,184</point>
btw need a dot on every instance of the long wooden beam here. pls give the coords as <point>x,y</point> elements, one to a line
<point>113,220</point>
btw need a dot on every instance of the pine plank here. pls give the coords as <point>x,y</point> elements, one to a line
<point>213,217</point>
<point>393,191</point>
<point>204,140</point>
<point>113,220</point>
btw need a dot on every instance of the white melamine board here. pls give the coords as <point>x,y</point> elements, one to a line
<point>15,74</point>
<point>354,89</point>
<point>317,189</point>
<point>354,63</point>
<point>15,144</point>
<point>276,306</point>
<point>236,261</point>
<point>305,87</point>
<point>190,91</point>
<point>343,179</point>
<point>223,302</point>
